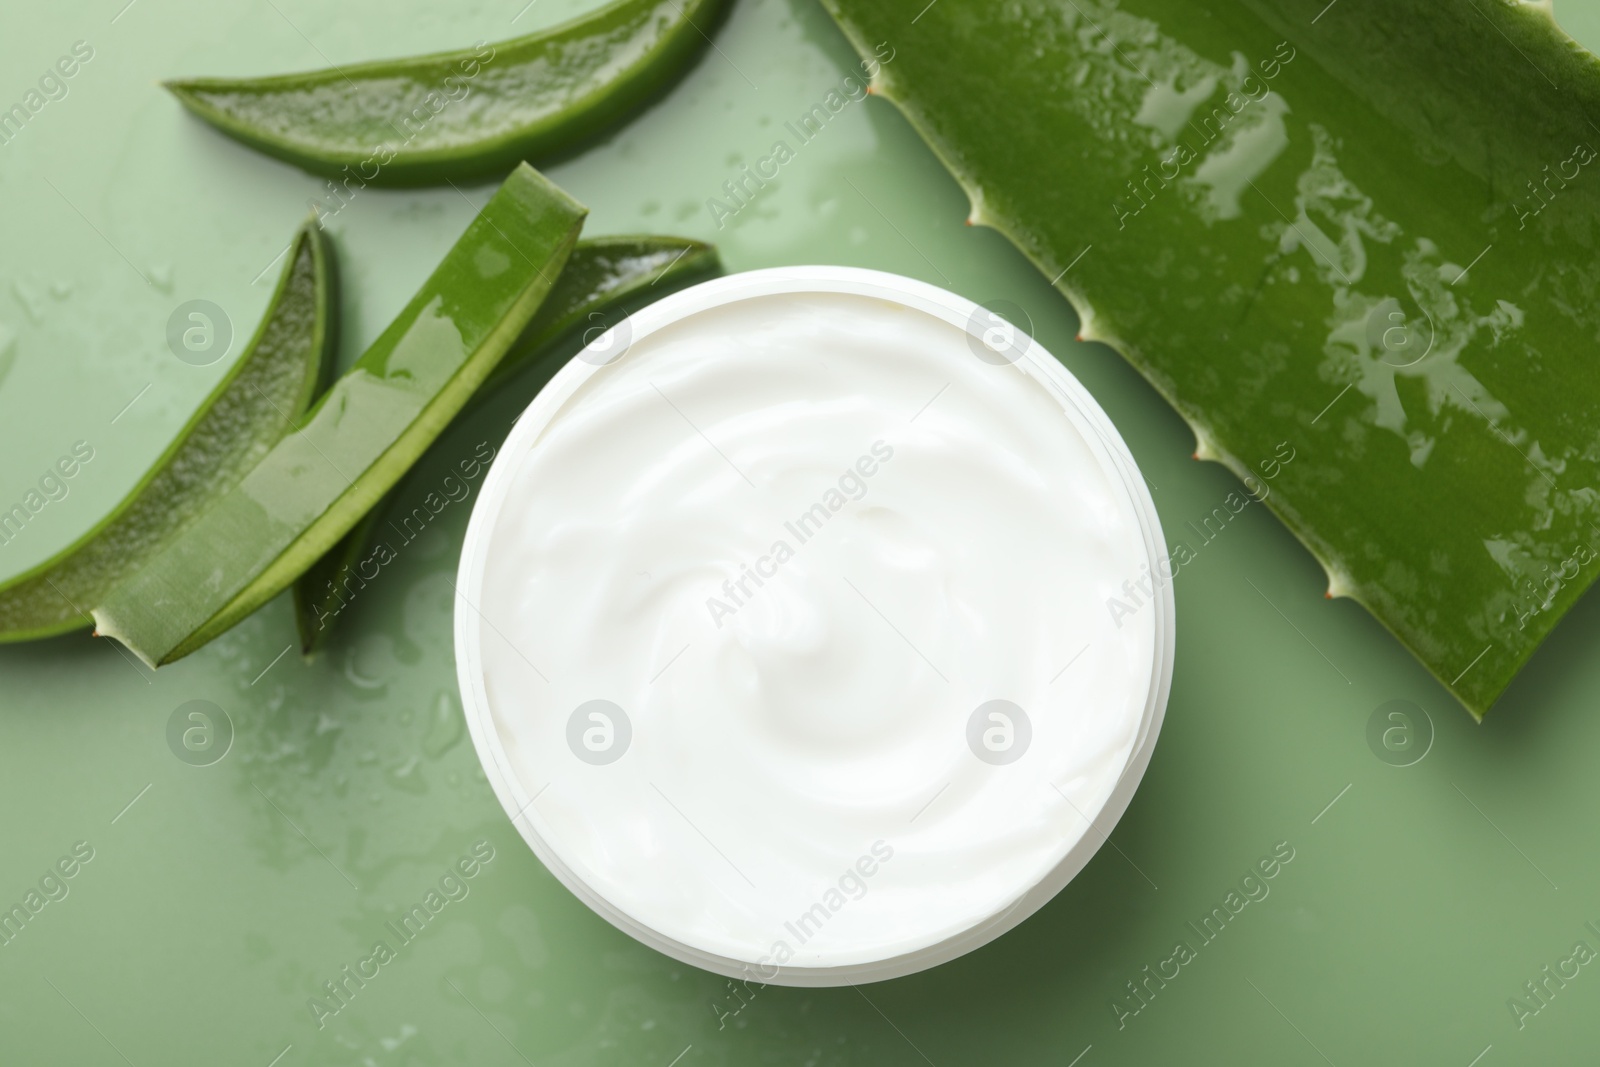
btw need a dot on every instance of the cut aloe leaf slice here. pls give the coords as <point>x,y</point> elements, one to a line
<point>1360,237</point>
<point>464,113</point>
<point>602,276</point>
<point>328,585</point>
<point>361,437</point>
<point>249,411</point>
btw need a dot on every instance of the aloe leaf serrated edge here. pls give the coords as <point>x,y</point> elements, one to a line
<point>1240,198</point>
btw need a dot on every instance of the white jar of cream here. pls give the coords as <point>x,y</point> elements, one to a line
<point>783,628</point>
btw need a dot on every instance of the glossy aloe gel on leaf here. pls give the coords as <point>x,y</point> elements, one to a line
<point>361,437</point>
<point>781,626</point>
<point>464,113</point>
<point>1366,231</point>
<point>247,413</point>
<point>602,276</point>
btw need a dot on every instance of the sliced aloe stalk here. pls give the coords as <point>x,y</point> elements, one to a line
<point>463,113</point>
<point>271,383</point>
<point>602,276</point>
<point>361,437</point>
<point>328,585</point>
<point>1358,235</point>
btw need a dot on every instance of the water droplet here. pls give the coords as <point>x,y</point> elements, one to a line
<point>29,301</point>
<point>371,661</point>
<point>407,777</point>
<point>445,726</point>
<point>8,350</point>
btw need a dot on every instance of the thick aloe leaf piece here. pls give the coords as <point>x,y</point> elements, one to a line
<point>464,113</point>
<point>361,437</point>
<point>1359,235</point>
<point>602,276</point>
<point>251,408</point>
<point>329,584</point>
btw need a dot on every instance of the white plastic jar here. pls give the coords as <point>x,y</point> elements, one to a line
<point>784,629</point>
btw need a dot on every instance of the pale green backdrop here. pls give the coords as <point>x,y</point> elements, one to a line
<point>220,897</point>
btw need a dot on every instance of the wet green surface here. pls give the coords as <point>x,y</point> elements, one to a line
<point>220,898</point>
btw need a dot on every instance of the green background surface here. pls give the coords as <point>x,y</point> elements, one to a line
<point>220,898</point>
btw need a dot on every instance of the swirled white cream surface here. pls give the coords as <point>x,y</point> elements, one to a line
<point>748,599</point>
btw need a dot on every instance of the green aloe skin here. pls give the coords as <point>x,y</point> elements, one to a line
<point>466,113</point>
<point>1360,236</point>
<point>602,276</point>
<point>249,411</point>
<point>357,442</point>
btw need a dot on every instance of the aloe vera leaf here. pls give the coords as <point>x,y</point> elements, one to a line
<point>463,113</point>
<point>1276,203</point>
<point>601,276</point>
<point>321,593</point>
<point>250,409</point>
<point>361,437</point>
